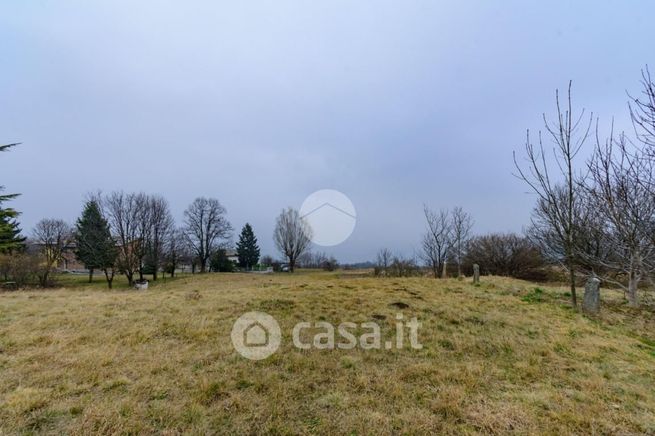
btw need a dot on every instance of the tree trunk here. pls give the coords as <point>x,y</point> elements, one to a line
<point>110,279</point>
<point>292,264</point>
<point>154,274</point>
<point>90,275</point>
<point>633,283</point>
<point>444,272</point>
<point>574,297</point>
<point>130,278</point>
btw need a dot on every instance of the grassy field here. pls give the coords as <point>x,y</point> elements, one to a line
<point>505,356</point>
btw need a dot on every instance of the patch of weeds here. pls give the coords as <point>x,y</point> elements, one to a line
<point>276,304</point>
<point>313,423</point>
<point>474,320</point>
<point>41,421</point>
<point>192,414</point>
<point>534,296</point>
<point>244,384</point>
<point>75,410</point>
<point>446,344</point>
<point>562,349</point>
<point>212,392</point>
<point>161,395</point>
<point>647,341</point>
<point>347,362</point>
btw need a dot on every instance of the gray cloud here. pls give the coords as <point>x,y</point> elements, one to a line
<point>261,103</point>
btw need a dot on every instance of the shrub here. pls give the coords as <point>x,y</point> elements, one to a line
<point>330,264</point>
<point>219,262</point>
<point>506,255</point>
<point>22,268</point>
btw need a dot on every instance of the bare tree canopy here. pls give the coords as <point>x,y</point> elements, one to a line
<point>177,250</point>
<point>462,223</point>
<point>642,112</point>
<point>437,240</point>
<point>558,191</point>
<point>620,189</point>
<point>124,213</point>
<point>160,223</point>
<point>292,235</point>
<point>205,225</point>
<point>52,237</point>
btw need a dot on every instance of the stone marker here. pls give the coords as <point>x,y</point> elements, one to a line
<point>591,300</point>
<point>476,274</point>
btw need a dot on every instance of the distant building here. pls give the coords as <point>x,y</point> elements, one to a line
<point>232,255</point>
<point>68,261</point>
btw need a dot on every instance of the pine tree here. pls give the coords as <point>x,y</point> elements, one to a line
<point>95,246</point>
<point>10,239</point>
<point>247,248</point>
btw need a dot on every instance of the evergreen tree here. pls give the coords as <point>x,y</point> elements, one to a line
<point>10,239</point>
<point>247,248</point>
<point>95,246</point>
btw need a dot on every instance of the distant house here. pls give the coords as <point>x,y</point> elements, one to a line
<point>232,255</point>
<point>68,260</point>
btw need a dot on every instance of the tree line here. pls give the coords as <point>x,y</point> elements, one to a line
<point>594,216</point>
<point>133,234</point>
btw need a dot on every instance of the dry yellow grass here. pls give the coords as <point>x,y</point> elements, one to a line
<point>85,360</point>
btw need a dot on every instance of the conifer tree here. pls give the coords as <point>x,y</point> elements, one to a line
<point>247,248</point>
<point>95,246</point>
<point>10,238</point>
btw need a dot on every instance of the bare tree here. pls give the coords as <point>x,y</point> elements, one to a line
<point>437,240</point>
<point>176,250</point>
<point>642,112</point>
<point>462,223</point>
<point>205,225</point>
<point>52,237</point>
<point>383,261</point>
<point>161,223</point>
<point>621,192</point>
<point>123,211</point>
<point>144,229</point>
<point>558,195</point>
<point>292,235</point>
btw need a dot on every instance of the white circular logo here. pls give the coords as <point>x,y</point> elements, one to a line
<point>331,216</point>
<point>256,335</point>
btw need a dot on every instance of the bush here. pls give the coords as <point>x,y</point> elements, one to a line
<point>330,264</point>
<point>219,262</point>
<point>399,267</point>
<point>22,268</point>
<point>506,255</point>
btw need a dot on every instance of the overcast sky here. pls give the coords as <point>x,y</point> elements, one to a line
<point>260,103</point>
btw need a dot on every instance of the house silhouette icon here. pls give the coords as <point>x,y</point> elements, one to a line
<point>255,335</point>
